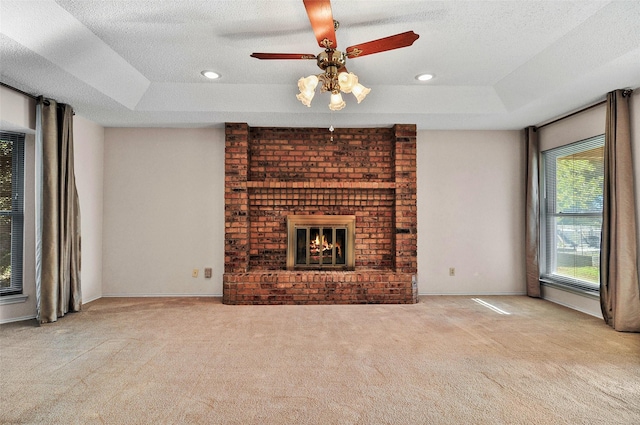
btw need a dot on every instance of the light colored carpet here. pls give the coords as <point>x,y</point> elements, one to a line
<point>445,360</point>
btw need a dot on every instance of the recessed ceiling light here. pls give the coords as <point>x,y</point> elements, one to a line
<point>210,74</point>
<point>424,77</point>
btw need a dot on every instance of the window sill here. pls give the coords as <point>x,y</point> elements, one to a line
<point>568,288</point>
<point>13,299</point>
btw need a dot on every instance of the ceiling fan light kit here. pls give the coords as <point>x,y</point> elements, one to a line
<point>336,78</point>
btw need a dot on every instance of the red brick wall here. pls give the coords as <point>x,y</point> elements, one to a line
<point>236,201</point>
<point>406,210</point>
<point>373,208</point>
<point>305,154</point>
<point>274,172</point>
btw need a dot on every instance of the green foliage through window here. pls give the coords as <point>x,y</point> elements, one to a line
<point>579,179</point>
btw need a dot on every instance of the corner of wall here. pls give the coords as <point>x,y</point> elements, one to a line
<point>88,139</point>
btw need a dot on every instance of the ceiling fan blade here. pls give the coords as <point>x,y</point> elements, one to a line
<point>321,19</point>
<point>283,56</point>
<point>397,41</point>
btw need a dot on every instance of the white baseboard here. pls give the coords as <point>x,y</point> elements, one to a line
<point>16,319</point>
<point>91,299</point>
<point>471,294</point>
<point>163,295</point>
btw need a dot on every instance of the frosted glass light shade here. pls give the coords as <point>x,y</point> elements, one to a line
<point>360,92</point>
<point>307,88</point>
<point>306,97</point>
<point>347,81</point>
<point>336,102</point>
<point>307,84</point>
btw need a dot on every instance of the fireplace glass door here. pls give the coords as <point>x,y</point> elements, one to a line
<point>320,246</point>
<point>320,242</point>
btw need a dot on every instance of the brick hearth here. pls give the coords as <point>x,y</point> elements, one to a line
<point>271,173</point>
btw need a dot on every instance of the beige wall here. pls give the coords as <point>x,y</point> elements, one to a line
<point>470,212</point>
<point>578,127</point>
<point>161,221</point>
<point>163,211</point>
<point>152,203</point>
<point>88,140</point>
<point>17,112</point>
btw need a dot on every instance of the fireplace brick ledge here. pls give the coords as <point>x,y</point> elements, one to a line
<point>319,287</point>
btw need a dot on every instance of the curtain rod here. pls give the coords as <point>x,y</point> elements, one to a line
<point>18,90</point>
<point>586,108</point>
<point>45,101</point>
<point>625,92</point>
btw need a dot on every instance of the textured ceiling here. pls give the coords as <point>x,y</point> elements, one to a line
<point>498,64</point>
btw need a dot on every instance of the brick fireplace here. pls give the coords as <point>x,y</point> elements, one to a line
<point>272,174</point>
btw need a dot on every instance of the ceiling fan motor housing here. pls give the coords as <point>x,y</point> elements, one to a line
<point>332,58</point>
<point>331,61</point>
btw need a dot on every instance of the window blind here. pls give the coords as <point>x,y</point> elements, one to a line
<point>11,212</point>
<point>572,213</point>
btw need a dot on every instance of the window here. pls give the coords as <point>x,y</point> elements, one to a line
<point>572,214</point>
<point>11,212</point>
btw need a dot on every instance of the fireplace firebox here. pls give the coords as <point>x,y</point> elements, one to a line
<point>320,242</point>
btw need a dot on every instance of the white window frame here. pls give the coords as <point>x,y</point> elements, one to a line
<point>548,214</point>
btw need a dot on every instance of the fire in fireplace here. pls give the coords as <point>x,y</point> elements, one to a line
<point>320,242</point>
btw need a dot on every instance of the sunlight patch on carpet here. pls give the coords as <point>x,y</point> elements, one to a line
<point>490,306</point>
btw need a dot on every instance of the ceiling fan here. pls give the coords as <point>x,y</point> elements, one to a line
<point>336,78</point>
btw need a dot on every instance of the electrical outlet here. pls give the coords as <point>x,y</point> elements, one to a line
<point>207,272</point>
<point>452,271</point>
<point>195,272</point>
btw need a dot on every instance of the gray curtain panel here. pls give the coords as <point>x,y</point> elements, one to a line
<point>57,214</point>
<point>619,290</point>
<point>532,218</point>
